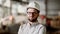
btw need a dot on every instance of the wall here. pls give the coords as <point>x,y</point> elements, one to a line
<point>53,7</point>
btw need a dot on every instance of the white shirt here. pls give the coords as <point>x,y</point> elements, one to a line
<point>34,28</point>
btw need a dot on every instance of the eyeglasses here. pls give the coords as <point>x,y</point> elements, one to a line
<point>32,13</point>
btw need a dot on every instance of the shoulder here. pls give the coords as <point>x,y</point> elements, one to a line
<point>23,26</point>
<point>41,26</point>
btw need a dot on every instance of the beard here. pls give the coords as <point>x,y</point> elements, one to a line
<point>32,20</point>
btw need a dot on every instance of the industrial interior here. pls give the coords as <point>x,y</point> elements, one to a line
<point>13,12</point>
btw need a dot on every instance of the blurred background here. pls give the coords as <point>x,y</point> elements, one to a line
<point>13,12</point>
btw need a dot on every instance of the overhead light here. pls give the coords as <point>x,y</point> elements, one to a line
<point>25,0</point>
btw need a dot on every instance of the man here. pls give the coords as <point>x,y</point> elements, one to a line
<point>32,26</point>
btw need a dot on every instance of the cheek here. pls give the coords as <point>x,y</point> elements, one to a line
<point>28,16</point>
<point>35,16</point>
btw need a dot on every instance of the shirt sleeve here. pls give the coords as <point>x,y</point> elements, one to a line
<point>42,30</point>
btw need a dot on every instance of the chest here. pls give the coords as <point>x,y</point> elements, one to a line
<point>31,30</point>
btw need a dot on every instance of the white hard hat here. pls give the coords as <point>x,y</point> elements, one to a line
<point>34,5</point>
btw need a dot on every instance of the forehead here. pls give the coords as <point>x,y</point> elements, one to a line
<point>31,10</point>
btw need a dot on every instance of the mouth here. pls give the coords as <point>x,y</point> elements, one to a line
<point>31,17</point>
<point>32,20</point>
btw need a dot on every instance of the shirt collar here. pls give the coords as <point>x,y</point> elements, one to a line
<point>33,23</point>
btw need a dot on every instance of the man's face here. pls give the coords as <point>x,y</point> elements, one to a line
<point>32,14</point>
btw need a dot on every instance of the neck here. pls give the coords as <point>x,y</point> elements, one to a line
<point>32,22</point>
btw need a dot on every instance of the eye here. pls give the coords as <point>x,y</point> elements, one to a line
<point>35,12</point>
<point>28,12</point>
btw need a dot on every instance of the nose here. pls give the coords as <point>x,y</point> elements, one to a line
<point>31,15</point>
